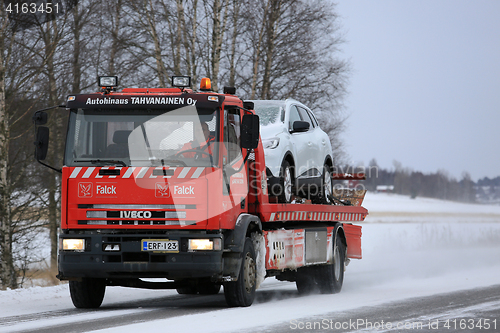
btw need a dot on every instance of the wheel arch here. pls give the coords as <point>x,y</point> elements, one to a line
<point>289,158</point>
<point>339,229</point>
<point>329,162</point>
<point>245,225</point>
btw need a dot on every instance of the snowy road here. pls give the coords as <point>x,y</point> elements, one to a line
<point>420,264</point>
<point>451,312</point>
<point>470,310</point>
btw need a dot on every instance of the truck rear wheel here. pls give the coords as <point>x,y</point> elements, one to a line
<point>242,291</point>
<point>331,277</point>
<point>88,293</point>
<point>305,281</point>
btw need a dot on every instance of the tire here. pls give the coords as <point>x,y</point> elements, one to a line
<point>189,290</point>
<point>331,277</point>
<point>322,196</point>
<point>201,286</point>
<point>286,183</point>
<point>207,287</point>
<point>88,293</point>
<point>242,291</point>
<point>305,281</point>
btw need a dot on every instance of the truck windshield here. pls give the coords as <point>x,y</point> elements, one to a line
<point>182,137</point>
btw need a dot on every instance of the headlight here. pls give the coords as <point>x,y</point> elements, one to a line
<point>73,244</point>
<point>271,143</point>
<point>204,244</point>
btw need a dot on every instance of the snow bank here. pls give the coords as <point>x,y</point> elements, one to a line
<point>384,207</point>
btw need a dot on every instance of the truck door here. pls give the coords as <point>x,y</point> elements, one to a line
<point>235,181</point>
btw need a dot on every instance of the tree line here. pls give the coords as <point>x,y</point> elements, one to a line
<point>268,49</point>
<point>439,185</point>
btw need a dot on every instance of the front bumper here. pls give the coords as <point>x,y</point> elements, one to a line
<point>131,262</point>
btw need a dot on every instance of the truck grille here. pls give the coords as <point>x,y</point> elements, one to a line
<point>134,222</point>
<point>123,214</point>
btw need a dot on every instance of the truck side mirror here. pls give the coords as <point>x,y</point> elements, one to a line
<point>250,131</point>
<point>40,118</point>
<point>300,126</point>
<point>249,105</point>
<point>41,143</point>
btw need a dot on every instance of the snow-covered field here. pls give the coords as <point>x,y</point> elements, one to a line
<point>411,248</point>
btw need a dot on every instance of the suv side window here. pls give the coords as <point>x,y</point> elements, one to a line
<point>294,116</point>
<point>305,117</point>
<point>313,117</point>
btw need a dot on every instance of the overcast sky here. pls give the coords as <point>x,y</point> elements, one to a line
<point>425,87</point>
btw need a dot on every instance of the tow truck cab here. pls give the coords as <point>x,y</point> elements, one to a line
<point>147,191</point>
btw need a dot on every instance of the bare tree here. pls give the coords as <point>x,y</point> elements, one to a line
<point>219,22</point>
<point>52,35</point>
<point>190,41</point>
<point>236,5</point>
<point>256,40</point>
<point>7,272</point>
<point>148,22</point>
<point>17,194</point>
<point>81,16</point>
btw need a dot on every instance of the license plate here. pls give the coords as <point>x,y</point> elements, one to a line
<point>160,245</point>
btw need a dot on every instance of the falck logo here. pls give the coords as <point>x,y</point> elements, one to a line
<point>85,190</point>
<point>161,190</point>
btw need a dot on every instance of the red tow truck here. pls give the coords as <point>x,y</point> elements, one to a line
<point>167,188</point>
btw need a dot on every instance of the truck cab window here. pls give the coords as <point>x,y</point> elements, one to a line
<point>232,135</point>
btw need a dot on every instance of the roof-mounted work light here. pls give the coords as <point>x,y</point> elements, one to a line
<point>108,83</point>
<point>181,81</point>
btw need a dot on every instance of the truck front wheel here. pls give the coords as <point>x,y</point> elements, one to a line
<point>88,293</point>
<point>242,291</point>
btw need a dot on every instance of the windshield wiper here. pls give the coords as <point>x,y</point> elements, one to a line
<point>104,162</point>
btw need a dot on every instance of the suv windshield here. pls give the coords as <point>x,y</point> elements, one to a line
<point>269,112</point>
<point>182,137</point>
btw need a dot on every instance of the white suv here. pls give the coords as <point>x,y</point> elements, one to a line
<point>298,152</point>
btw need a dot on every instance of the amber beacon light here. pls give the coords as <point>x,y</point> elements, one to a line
<point>205,84</point>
